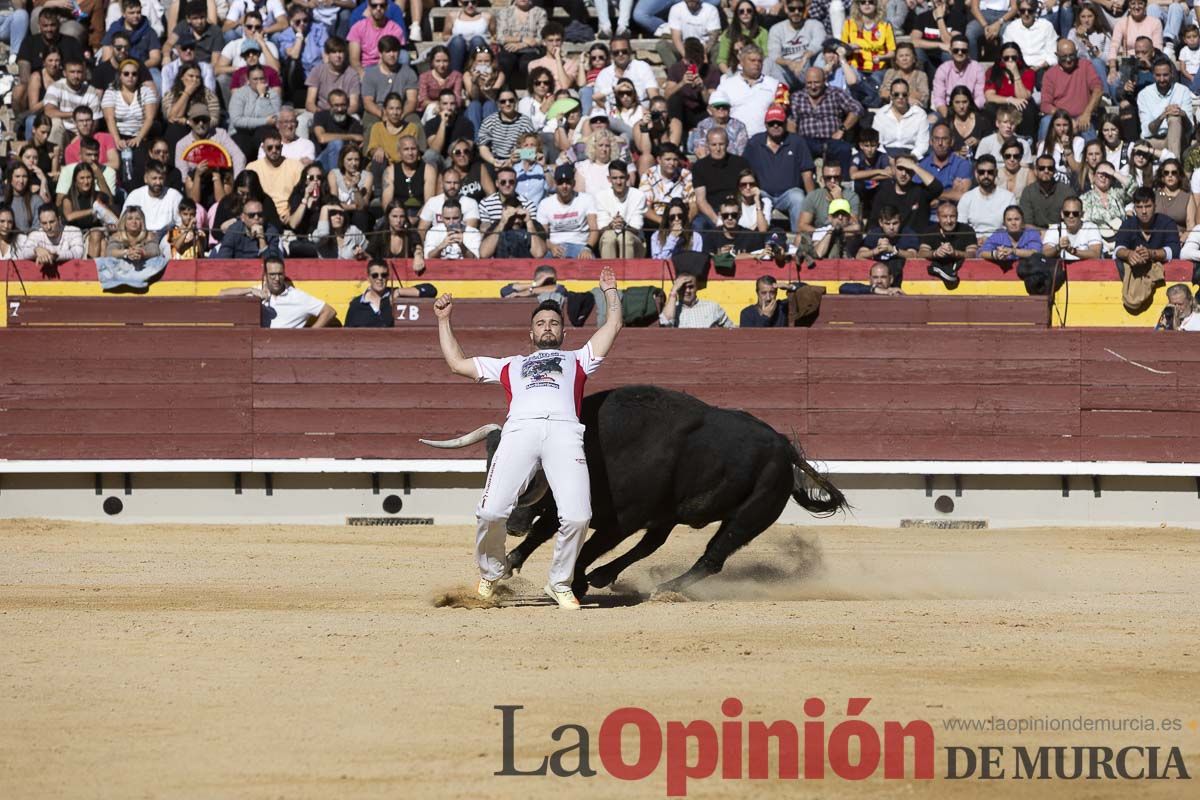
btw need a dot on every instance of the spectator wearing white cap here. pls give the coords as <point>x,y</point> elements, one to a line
<point>719,116</point>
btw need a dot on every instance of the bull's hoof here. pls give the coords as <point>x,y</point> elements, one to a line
<point>579,588</point>
<point>517,534</point>
<point>515,561</point>
<point>602,577</point>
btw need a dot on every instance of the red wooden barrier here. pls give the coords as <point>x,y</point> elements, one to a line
<point>932,310</point>
<point>961,393</point>
<point>116,311</point>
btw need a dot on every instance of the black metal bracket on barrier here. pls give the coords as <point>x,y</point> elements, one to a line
<point>374,483</point>
<point>99,484</point>
<point>128,484</point>
<point>237,483</point>
<point>269,480</point>
<point>929,486</point>
<point>1066,485</point>
<point>408,484</point>
<point>958,485</point>
<point>1095,486</point>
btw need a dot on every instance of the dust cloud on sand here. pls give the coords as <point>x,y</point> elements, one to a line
<point>796,566</point>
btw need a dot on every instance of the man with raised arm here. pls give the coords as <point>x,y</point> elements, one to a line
<point>545,390</point>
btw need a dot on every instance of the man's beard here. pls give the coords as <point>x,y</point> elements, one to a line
<point>548,341</point>
<point>340,118</point>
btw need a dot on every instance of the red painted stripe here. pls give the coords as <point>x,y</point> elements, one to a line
<point>580,380</point>
<point>514,269</point>
<point>507,384</point>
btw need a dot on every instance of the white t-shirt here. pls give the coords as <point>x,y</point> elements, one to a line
<point>129,116</point>
<point>1087,236</point>
<point>291,308</point>
<point>1192,322</point>
<point>694,26</point>
<point>547,384</point>
<point>271,10</point>
<point>984,213</point>
<point>749,218</point>
<point>638,71</point>
<point>472,238</point>
<point>431,212</point>
<point>566,224</point>
<point>1189,59</point>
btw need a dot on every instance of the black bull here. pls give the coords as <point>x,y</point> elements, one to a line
<point>658,458</point>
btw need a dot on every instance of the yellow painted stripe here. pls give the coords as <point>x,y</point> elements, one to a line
<point>1092,303</point>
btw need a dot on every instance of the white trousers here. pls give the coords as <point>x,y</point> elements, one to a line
<point>526,444</point>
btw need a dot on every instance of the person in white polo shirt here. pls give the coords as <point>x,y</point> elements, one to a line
<point>750,92</point>
<point>283,305</point>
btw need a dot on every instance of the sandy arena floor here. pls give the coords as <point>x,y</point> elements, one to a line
<point>223,662</point>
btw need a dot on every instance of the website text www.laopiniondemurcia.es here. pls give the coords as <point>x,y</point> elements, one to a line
<point>852,749</point>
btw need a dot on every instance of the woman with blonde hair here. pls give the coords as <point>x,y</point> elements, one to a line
<point>132,242</point>
<point>871,40</point>
<point>591,173</point>
<point>132,256</point>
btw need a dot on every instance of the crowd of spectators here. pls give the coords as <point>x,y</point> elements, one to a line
<point>879,129</point>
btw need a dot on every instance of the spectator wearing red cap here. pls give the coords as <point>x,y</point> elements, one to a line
<point>782,164</point>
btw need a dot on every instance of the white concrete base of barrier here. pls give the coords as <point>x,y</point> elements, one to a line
<point>888,494</point>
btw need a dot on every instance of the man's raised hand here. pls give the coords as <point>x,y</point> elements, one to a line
<point>608,279</point>
<point>443,306</point>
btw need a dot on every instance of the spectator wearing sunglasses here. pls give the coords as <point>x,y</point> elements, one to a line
<point>250,237</point>
<point>365,35</point>
<point>960,70</point>
<point>1036,37</point>
<point>284,306</point>
<point>1042,200</point>
<point>1067,87</point>
<point>792,43</point>
<point>1072,239</point>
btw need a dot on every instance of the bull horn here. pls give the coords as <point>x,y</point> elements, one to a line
<point>477,435</point>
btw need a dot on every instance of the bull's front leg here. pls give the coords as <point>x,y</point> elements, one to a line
<point>651,541</point>
<point>543,530</point>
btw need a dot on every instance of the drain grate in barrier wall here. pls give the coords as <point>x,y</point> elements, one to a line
<point>364,521</point>
<point>946,524</point>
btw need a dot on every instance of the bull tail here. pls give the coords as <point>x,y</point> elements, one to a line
<point>821,497</point>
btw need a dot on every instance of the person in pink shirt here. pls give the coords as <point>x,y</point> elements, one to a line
<point>85,123</point>
<point>1126,32</point>
<point>365,35</point>
<point>960,70</point>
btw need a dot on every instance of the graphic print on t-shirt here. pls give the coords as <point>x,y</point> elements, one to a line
<point>539,369</point>
<point>547,384</point>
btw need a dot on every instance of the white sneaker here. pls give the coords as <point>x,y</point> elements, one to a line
<point>486,588</point>
<point>663,30</point>
<point>565,599</point>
